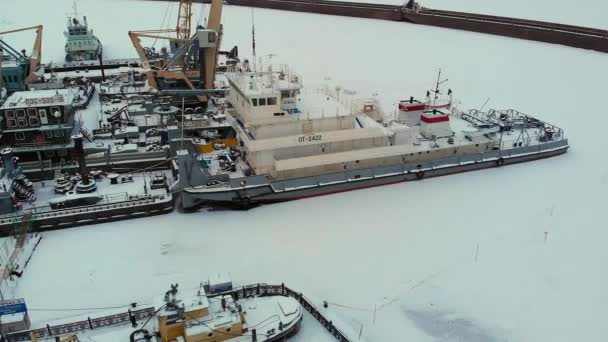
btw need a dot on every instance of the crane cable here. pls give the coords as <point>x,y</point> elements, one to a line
<point>162,24</point>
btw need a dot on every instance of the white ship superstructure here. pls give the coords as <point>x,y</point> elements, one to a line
<point>318,134</point>
<point>81,44</point>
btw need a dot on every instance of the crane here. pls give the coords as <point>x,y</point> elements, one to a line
<point>186,63</point>
<point>30,66</point>
<point>184,19</point>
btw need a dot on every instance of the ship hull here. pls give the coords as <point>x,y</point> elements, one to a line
<point>248,197</point>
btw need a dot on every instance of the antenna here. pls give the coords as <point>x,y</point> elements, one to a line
<point>436,91</point>
<point>75,10</point>
<point>484,104</point>
<point>253,40</point>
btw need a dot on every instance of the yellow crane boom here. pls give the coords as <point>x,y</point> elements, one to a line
<point>36,55</point>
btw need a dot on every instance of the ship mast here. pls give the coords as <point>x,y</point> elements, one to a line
<point>255,69</point>
<point>436,91</point>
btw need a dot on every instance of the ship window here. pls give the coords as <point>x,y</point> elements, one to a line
<point>43,118</point>
<point>19,136</point>
<point>10,114</point>
<point>31,112</point>
<point>272,101</point>
<point>48,134</point>
<point>58,133</point>
<point>262,102</point>
<point>427,152</point>
<point>11,123</point>
<point>476,145</point>
<point>34,122</point>
<point>255,102</point>
<point>22,122</point>
<point>419,152</point>
<point>20,113</point>
<point>455,151</point>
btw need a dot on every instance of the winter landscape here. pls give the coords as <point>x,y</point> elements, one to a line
<point>503,254</point>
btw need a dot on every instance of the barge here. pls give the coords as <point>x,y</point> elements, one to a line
<point>297,143</point>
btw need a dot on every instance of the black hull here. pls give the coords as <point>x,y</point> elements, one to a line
<point>80,217</point>
<point>266,195</point>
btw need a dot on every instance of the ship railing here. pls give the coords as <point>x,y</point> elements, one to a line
<point>109,202</point>
<point>86,324</point>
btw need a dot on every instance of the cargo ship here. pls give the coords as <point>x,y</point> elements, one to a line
<point>298,143</point>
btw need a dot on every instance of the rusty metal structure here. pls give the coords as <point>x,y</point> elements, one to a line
<point>184,20</point>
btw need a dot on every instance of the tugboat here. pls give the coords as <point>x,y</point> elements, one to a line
<point>81,44</point>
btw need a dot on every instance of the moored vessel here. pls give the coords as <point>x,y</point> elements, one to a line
<point>297,143</point>
<point>81,44</point>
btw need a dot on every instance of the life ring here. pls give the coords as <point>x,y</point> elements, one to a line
<point>420,174</point>
<point>500,161</point>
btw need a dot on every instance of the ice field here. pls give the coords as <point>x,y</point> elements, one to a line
<point>506,254</point>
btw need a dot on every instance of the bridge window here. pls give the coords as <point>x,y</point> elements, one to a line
<point>272,101</point>
<point>262,102</point>
<point>254,102</point>
<point>48,134</point>
<point>32,113</point>
<point>10,114</point>
<point>58,133</point>
<point>20,113</point>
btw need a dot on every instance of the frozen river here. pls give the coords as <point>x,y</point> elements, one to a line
<point>459,258</point>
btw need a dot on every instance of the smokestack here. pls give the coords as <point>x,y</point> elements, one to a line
<point>79,154</point>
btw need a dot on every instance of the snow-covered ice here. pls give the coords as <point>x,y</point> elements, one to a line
<point>513,254</point>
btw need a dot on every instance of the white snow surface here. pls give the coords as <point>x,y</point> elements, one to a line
<point>458,258</point>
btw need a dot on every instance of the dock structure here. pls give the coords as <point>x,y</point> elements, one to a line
<point>412,12</point>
